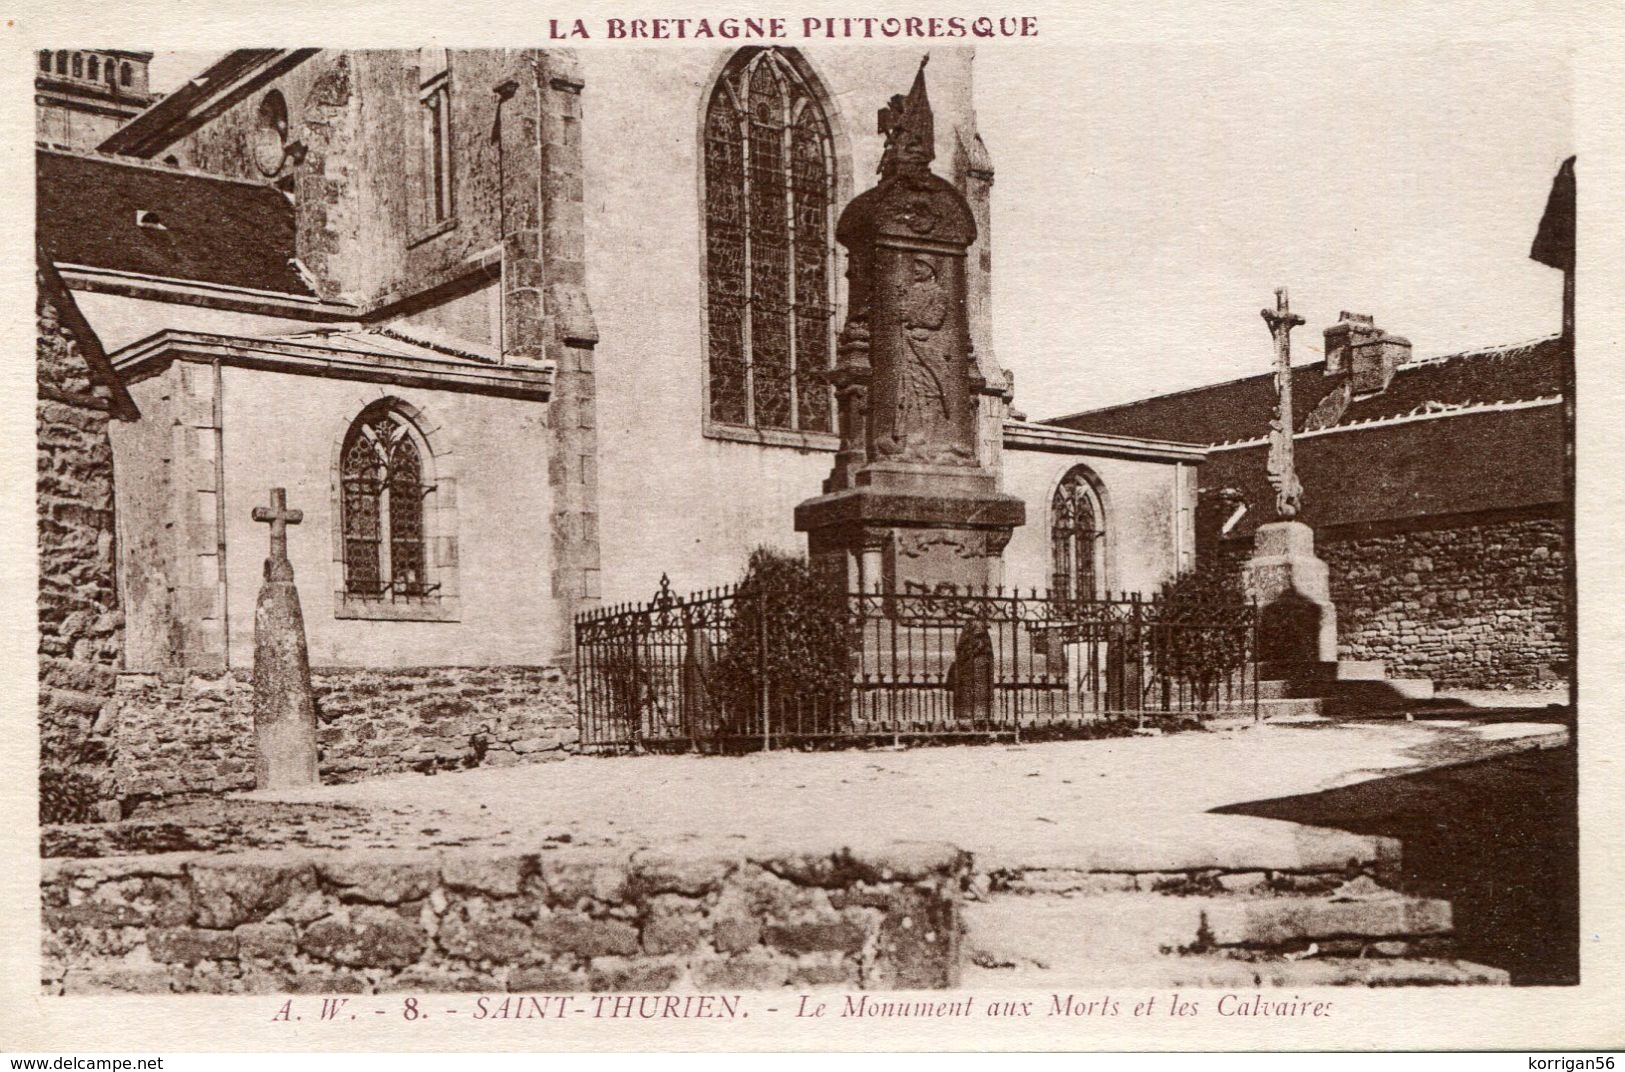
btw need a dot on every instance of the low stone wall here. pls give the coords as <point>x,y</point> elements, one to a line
<point>1473,603</point>
<point>559,920</point>
<point>193,731</point>
<point>1470,602</point>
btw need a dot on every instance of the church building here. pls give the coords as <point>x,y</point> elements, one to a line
<point>519,332</point>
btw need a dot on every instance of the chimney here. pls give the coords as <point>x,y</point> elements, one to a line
<point>1350,330</point>
<point>1356,347</point>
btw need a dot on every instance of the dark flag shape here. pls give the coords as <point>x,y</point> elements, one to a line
<point>1554,242</point>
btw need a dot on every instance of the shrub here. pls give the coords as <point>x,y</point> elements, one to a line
<point>788,641</point>
<point>1201,633</point>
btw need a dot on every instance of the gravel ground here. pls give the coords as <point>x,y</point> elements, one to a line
<point>1129,803</point>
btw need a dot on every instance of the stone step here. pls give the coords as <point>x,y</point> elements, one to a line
<point>1277,709</point>
<point>1342,670</point>
<point>1387,692</point>
<point>1214,972</point>
<point>1057,932</point>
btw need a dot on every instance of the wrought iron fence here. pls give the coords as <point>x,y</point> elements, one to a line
<point>746,666</point>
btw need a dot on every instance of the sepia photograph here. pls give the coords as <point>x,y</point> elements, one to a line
<point>604,530</point>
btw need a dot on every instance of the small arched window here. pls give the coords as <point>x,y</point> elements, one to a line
<point>124,74</point>
<point>78,65</point>
<point>95,69</point>
<point>45,60</point>
<point>769,197</point>
<point>382,489</point>
<point>62,62</point>
<point>112,71</point>
<point>1077,538</point>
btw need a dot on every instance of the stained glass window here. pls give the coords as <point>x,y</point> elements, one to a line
<point>769,193</point>
<point>382,492</point>
<point>1075,538</point>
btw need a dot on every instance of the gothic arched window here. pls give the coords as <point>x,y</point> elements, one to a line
<point>381,502</point>
<point>1077,538</point>
<point>769,198</point>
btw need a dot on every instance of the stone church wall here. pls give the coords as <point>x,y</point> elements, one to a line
<point>80,624</point>
<point>193,731</point>
<point>1145,528</point>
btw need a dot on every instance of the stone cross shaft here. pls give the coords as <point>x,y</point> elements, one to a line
<point>279,517</point>
<point>1283,474</point>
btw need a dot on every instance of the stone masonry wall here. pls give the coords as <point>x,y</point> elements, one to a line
<point>1470,604</point>
<point>80,625</point>
<point>193,731</point>
<point>559,920</point>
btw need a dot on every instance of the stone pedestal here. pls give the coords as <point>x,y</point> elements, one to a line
<point>284,704</point>
<point>911,529</point>
<point>1297,620</point>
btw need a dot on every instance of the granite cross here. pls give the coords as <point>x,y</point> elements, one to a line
<point>279,517</point>
<point>1283,473</point>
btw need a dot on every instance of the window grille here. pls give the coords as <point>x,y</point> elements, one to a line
<point>769,192</point>
<point>382,494</point>
<point>1075,535</point>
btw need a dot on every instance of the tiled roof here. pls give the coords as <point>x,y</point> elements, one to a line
<point>1240,410</point>
<point>200,229</point>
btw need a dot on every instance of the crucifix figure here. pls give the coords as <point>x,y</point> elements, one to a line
<point>284,704</point>
<point>1283,475</point>
<point>279,517</point>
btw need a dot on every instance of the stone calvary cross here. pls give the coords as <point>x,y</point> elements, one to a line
<point>284,703</point>
<point>1283,474</point>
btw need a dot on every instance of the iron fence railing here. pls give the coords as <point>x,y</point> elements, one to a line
<point>748,667</point>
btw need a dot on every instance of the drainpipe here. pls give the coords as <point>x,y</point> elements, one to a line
<point>504,93</point>
<point>218,419</point>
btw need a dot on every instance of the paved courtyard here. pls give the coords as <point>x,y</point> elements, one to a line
<point>1133,803</point>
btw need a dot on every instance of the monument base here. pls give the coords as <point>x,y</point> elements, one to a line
<point>1292,587</point>
<point>918,532</point>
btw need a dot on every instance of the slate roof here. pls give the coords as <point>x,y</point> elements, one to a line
<point>392,341</point>
<point>236,234</point>
<point>1240,410</point>
<point>1467,433</point>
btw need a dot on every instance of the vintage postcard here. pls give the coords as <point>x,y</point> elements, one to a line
<point>955,527</point>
